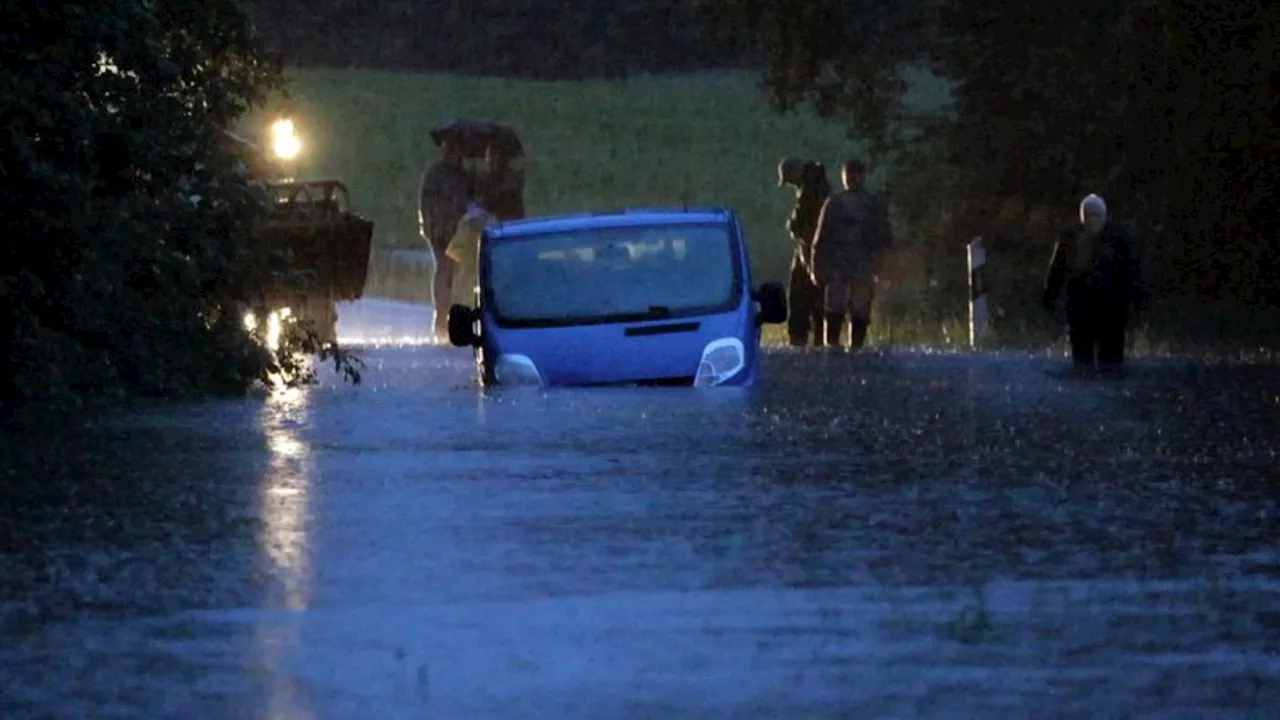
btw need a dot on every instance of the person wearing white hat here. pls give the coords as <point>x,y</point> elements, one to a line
<point>1095,263</point>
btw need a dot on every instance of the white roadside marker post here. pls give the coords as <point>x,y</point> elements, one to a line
<point>978,319</point>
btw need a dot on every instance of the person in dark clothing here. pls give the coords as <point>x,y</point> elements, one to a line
<point>1095,263</point>
<point>851,242</point>
<point>809,178</point>
<point>442,203</point>
<point>501,192</point>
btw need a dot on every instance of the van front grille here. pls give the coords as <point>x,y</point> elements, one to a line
<point>679,381</point>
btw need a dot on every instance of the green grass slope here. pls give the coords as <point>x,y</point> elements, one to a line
<point>657,141</point>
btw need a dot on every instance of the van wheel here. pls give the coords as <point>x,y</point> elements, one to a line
<point>462,321</point>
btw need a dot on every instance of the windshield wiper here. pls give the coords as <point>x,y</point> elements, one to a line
<point>655,312</point>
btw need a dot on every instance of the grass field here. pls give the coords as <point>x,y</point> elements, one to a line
<point>706,139</point>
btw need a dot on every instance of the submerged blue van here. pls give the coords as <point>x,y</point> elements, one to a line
<point>633,297</point>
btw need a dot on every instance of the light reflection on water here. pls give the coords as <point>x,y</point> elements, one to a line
<point>284,494</point>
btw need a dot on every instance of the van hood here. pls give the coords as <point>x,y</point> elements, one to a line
<point>657,352</point>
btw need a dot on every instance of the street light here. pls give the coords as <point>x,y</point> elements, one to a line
<point>285,144</point>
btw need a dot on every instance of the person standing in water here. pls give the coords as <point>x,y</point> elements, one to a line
<point>1097,267</point>
<point>442,203</point>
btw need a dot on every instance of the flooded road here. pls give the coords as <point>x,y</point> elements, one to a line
<point>887,535</point>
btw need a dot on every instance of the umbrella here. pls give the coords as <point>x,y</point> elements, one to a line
<point>475,135</point>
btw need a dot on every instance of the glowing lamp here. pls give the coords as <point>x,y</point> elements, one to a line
<point>284,143</point>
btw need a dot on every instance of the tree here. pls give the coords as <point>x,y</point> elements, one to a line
<point>1167,107</point>
<point>573,39</point>
<point>1155,103</point>
<point>129,259</point>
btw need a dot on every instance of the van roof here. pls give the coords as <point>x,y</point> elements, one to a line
<point>626,217</point>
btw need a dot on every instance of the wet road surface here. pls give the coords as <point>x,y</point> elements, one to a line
<point>900,535</point>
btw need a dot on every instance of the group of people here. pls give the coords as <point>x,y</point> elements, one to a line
<point>840,242</point>
<point>454,203</point>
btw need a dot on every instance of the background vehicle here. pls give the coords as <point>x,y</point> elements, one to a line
<point>635,297</point>
<point>312,223</point>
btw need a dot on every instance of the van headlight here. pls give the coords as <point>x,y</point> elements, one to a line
<point>512,369</point>
<point>721,360</point>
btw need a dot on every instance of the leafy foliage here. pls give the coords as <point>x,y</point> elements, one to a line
<point>129,263</point>
<point>570,39</point>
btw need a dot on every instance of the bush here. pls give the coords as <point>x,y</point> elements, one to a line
<point>131,259</point>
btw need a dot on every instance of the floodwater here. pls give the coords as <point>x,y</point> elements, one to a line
<point>879,536</point>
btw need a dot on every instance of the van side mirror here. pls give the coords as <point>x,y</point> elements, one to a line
<point>772,297</point>
<point>462,331</point>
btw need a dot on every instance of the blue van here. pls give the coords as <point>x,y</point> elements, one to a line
<point>632,297</point>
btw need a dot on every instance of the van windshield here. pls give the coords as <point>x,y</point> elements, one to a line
<point>613,275</point>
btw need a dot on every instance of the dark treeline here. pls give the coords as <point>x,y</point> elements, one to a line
<point>1168,108</point>
<point>566,39</point>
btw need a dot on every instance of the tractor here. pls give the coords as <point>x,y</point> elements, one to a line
<point>313,224</point>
